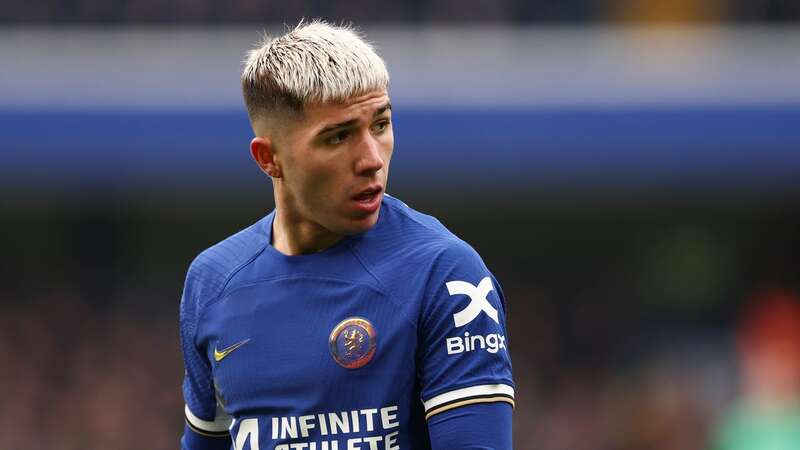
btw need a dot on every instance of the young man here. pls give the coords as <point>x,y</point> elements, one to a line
<point>344,319</point>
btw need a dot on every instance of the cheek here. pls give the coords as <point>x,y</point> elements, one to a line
<point>317,185</point>
<point>311,183</point>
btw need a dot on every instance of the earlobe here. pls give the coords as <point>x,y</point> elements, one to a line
<point>263,152</point>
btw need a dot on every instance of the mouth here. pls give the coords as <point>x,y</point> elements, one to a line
<point>368,194</point>
<point>369,199</point>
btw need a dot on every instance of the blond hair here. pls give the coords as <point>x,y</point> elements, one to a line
<point>313,63</point>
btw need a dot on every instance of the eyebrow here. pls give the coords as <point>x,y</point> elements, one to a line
<point>382,109</point>
<point>351,122</point>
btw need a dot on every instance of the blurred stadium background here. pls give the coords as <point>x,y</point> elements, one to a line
<point>629,170</point>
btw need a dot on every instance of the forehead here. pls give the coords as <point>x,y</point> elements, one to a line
<point>352,108</point>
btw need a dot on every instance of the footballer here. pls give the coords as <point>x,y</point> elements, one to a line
<point>344,319</point>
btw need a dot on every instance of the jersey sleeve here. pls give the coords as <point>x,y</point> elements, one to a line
<point>463,355</point>
<point>205,418</point>
<point>481,426</point>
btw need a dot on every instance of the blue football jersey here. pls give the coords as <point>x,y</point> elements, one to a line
<point>354,347</point>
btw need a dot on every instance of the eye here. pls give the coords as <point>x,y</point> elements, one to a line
<point>337,138</point>
<point>380,126</point>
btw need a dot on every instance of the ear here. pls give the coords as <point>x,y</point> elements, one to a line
<point>263,152</point>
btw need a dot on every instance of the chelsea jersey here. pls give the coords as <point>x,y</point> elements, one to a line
<point>354,347</point>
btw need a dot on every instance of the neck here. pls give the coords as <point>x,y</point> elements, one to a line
<point>294,236</point>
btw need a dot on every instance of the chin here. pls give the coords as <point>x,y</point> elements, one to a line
<point>361,225</point>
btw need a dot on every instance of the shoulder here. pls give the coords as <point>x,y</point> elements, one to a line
<point>408,247</point>
<point>426,233</point>
<point>211,270</point>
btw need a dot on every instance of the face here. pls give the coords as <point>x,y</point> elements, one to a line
<point>334,164</point>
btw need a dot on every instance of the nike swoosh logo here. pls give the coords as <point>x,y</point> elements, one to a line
<point>220,354</point>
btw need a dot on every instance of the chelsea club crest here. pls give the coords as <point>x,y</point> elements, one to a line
<point>352,342</point>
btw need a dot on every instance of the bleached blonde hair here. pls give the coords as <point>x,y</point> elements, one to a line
<point>314,63</point>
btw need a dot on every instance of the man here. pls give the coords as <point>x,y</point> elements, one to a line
<point>344,319</point>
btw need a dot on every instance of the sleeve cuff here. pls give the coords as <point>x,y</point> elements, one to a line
<point>487,393</point>
<point>216,428</point>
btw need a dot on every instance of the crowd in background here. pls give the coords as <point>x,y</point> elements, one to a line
<point>406,11</point>
<point>77,378</point>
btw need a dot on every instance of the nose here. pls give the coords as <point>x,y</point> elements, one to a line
<point>369,158</point>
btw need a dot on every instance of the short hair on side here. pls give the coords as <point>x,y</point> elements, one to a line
<point>314,63</point>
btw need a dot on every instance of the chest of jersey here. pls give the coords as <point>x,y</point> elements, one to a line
<point>309,344</point>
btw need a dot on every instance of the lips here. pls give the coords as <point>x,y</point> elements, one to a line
<point>369,200</point>
<point>368,194</point>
